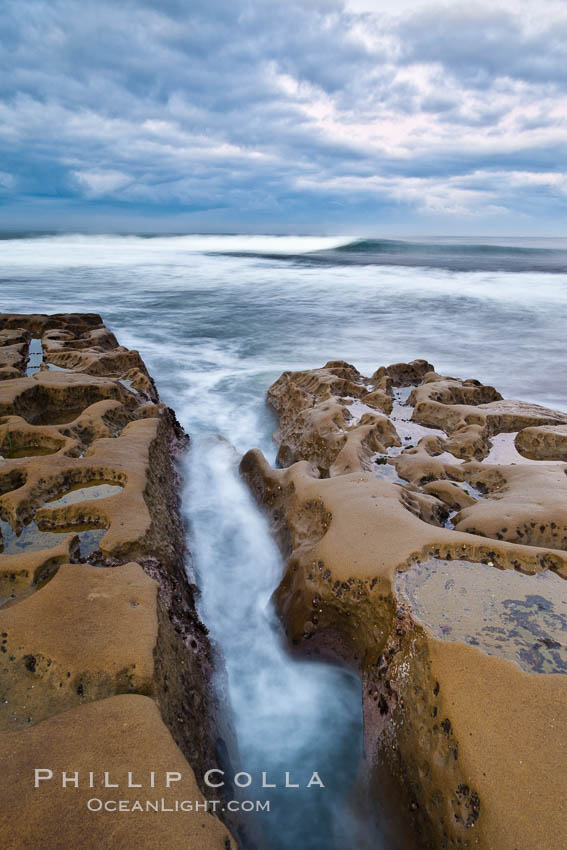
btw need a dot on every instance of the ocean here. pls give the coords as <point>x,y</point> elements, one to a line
<point>229,313</point>
<point>217,319</point>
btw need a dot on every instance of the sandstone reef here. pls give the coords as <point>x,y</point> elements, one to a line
<point>424,523</point>
<point>104,663</point>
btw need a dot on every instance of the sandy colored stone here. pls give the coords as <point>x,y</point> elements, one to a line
<point>403,374</point>
<point>439,719</point>
<point>14,357</point>
<point>450,494</point>
<point>477,744</point>
<point>97,352</point>
<point>92,433</point>
<point>102,419</point>
<point>544,442</point>
<point>13,352</point>
<point>378,399</point>
<point>470,412</point>
<point>117,735</point>
<point>49,395</point>
<point>529,507</point>
<point>13,337</point>
<point>18,573</point>
<point>88,634</point>
<point>317,420</point>
<point>36,324</point>
<point>518,754</point>
<point>123,460</point>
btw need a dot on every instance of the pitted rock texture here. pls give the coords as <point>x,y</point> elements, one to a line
<point>465,697</point>
<point>94,599</point>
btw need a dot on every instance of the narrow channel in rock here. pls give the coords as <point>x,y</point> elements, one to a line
<point>290,715</point>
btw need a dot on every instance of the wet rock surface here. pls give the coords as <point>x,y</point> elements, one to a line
<point>103,659</point>
<point>426,545</point>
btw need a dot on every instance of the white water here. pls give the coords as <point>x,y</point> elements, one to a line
<point>77,249</point>
<point>215,330</point>
<point>289,715</point>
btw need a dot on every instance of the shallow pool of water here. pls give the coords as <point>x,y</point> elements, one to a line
<point>33,539</point>
<point>9,453</point>
<point>502,612</point>
<point>93,490</point>
<point>35,357</point>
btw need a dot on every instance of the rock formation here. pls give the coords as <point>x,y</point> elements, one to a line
<point>104,663</point>
<point>424,523</point>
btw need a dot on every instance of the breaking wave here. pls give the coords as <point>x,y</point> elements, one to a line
<point>454,254</point>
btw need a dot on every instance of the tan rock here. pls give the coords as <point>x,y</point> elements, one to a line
<point>544,442</point>
<point>87,484</point>
<point>13,357</point>
<point>423,568</point>
<point>90,633</point>
<point>118,735</point>
<point>57,397</point>
<point>21,573</point>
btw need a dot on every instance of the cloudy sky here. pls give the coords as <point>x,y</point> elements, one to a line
<point>360,117</point>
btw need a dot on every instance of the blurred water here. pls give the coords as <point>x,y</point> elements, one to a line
<point>233,323</point>
<point>215,329</point>
<point>289,715</point>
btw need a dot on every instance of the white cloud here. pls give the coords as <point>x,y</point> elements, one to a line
<point>96,184</point>
<point>433,195</point>
<point>531,12</point>
<point>7,181</point>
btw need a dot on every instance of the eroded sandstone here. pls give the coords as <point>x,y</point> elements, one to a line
<point>116,736</point>
<point>103,659</point>
<point>426,545</point>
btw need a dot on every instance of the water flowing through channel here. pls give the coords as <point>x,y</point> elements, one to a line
<point>290,716</point>
<point>215,329</point>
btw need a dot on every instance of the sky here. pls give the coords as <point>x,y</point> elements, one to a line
<point>360,117</point>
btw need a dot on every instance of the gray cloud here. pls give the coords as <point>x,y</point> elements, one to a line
<point>271,111</point>
<point>483,44</point>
